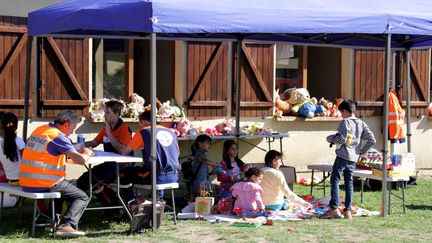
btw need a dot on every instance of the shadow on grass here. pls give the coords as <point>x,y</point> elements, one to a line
<point>419,207</point>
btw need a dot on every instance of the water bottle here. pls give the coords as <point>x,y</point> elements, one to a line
<point>80,138</point>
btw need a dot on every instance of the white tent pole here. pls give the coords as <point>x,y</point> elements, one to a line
<point>385,126</point>
<point>153,123</point>
<point>408,97</point>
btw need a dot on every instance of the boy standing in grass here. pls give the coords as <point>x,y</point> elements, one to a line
<point>348,140</point>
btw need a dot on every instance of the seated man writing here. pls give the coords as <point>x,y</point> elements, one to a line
<point>43,168</point>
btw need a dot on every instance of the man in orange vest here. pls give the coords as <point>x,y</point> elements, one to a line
<point>43,168</point>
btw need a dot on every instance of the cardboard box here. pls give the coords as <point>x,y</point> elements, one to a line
<point>204,205</point>
<point>395,173</point>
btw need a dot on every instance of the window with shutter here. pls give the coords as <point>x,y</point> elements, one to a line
<point>257,77</point>
<point>369,81</point>
<point>64,76</point>
<point>207,79</point>
<point>209,92</point>
<point>13,40</point>
<point>420,80</point>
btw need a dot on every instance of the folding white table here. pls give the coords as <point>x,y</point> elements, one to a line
<point>101,157</point>
<point>363,175</point>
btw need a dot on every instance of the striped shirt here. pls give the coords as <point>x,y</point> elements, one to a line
<point>349,137</point>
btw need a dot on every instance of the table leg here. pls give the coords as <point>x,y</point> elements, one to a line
<point>118,192</point>
<point>324,183</point>
<point>53,214</point>
<point>1,206</point>
<point>90,191</point>
<point>21,202</point>
<point>34,218</point>
<point>389,203</point>
<point>361,189</point>
<point>403,196</point>
<point>311,186</point>
<point>280,147</point>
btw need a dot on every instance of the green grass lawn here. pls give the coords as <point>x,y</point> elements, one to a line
<point>415,225</point>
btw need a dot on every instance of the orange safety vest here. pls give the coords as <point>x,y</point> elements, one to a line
<point>396,118</point>
<point>38,168</point>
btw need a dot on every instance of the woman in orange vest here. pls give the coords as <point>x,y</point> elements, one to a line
<point>42,168</point>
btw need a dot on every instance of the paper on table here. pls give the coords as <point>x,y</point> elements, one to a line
<point>99,153</point>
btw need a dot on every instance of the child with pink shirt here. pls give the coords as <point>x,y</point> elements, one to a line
<point>248,193</point>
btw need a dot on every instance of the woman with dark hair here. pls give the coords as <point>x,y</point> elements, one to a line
<point>230,168</point>
<point>11,147</point>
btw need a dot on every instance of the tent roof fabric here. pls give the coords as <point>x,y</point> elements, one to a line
<point>326,22</point>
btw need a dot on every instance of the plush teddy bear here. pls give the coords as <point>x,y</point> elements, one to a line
<point>298,96</point>
<point>213,131</point>
<point>281,105</point>
<point>183,127</point>
<point>307,109</point>
<point>334,111</point>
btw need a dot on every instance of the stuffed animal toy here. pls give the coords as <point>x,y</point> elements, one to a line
<point>326,104</point>
<point>307,109</point>
<point>135,98</point>
<point>298,96</point>
<point>321,111</point>
<point>183,127</point>
<point>334,111</point>
<point>282,105</point>
<point>213,132</point>
<point>264,131</point>
<point>253,129</point>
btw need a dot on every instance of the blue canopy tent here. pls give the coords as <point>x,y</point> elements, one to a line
<point>341,23</point>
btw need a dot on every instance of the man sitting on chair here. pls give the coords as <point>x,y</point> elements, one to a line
<point>167,156</point>
<point>43,168</point>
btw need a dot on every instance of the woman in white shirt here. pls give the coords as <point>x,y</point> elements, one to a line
<point>11,147</point>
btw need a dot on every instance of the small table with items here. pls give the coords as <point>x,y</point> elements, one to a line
<point>101,157</point>
<point>362,175</point>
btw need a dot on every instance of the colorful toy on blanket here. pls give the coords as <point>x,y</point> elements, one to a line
<point>225,206</point>
<point>251,214</point>
<point>308,181</point>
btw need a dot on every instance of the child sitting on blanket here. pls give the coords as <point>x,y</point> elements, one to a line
<point>248,193</point>
<point>275,187</point>
<point>230,168</point>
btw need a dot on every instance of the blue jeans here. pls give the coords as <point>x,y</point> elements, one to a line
<point>75,196</point>
<point>347,168</point>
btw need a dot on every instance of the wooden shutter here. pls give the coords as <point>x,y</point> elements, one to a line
<point>13,41</point>
<point>207,74</point>
<point>64,75</point>
<point>369,82</point>
<point>420,80</point>
<point>257,77</point>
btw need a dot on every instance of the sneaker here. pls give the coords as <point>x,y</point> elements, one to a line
<point>348,214</point>
<point>332,213</point>
<point>67,232</point>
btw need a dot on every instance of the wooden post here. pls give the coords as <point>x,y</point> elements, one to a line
<point>129,68</point>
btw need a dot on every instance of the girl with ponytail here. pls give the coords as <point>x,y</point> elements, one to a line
<point>11,147</point>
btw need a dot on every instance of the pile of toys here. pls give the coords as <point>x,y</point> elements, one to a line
<point>184,128</point>
<point>297,102</point>
<point>135,106</point>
